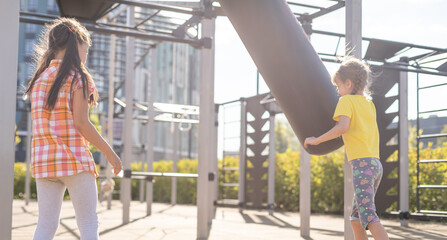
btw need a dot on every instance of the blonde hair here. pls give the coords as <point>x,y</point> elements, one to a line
<point>356,71</point>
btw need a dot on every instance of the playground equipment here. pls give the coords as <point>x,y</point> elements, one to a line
<point>286,33</point>
<point>290,66</point>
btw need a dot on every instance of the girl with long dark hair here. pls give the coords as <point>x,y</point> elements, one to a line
<point>61,92</point>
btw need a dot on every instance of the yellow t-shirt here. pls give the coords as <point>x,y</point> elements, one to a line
<point>362,138</point>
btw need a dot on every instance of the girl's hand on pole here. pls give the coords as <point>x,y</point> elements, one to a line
<point>311,141</point>
<point>115,161</point>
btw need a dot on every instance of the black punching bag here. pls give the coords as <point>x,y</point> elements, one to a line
<point>289,65</point>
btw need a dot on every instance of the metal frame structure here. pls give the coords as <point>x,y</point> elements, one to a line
<point>384,54</point>
<point>9,12</point>
<point>152,25</point>
<point>420,137</point>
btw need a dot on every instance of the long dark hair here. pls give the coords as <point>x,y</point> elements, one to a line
<point>63,33</point>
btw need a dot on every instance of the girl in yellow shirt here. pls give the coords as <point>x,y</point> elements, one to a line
<point>356,123</point>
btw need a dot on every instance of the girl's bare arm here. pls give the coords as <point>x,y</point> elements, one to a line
<point>340,128</point>
<point>85,127</point>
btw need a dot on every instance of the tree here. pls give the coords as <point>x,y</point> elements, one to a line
<point>285,137</point>
<point>442,140</point>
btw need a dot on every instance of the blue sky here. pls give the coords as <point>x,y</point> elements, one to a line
<point>421,22</point>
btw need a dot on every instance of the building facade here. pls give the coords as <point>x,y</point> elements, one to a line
<point>176,82</point>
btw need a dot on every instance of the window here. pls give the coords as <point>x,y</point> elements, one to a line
<point>29,46</point>
<point>32,5</point>
<point>30,28</point>
<point>51,5</point>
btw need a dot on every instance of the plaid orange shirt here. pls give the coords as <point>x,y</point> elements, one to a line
<point>58,149</point>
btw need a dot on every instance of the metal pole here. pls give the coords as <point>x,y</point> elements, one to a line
<point>271,166</point>
<point>110,109</point>
<point>214,163</point>
<point>174,164</point>
<point>242,152</point>
<point>403,147</point>
<point>353,48</point>
<point>174,129</point>
<point>142,181</point>
<point>206,126</point>
<point>130,74</point>
<point>28,157</point>
<point>9,23</point>
<point>418,208</point>
<point>304,193</point>
<point>150,128</point>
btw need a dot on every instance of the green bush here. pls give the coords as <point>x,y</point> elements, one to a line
<point>326,180</point>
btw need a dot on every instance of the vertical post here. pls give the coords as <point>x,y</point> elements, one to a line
<point>242,152</point>
<point>354,28</point>
<point>271,166</point>
<point>28,157</point>
<point>130,62</point>
<point>174,131</point>
<point>214,167</point>
<point>206,126</point>
<point>110,109</point>
<point>403,147</point>
<point>305,193</point>
<point>174,164</point>
<point>9,23</point>
<point>142,181</point>
<point>348,195</point>
<point>354,48</point>
<point>150,128</point>
<point>305,205</point>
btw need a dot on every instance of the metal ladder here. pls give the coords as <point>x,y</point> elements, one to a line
<point>419,138</point>
<point>229,150</point>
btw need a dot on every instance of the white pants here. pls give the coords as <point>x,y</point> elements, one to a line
<point>83,194</point>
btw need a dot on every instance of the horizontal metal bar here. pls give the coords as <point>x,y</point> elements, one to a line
<point>228,201</point>
<point>159,6</point>
<point>432,86</point>
<point>130,33</point>
<point>138,177</point>
<point>432,136</point>
<point>142,30</point>
<point>433,161</point>
<point>230,184</point>
<point>324,11</point>
<point>147,18</point>
<point>432,111</point>
<point>229,102</point>
<point>433,212</point>
<point>375,39</point>
<point>233,137</point>
<point>230,122</point>
<point>304,5</point>
<point>395,67</point>
<point>165,174</point>
<point>433,186</point>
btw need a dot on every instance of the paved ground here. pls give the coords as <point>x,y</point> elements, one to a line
<point>179,222</point>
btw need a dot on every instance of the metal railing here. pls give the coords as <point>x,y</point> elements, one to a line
<point>420,186</point>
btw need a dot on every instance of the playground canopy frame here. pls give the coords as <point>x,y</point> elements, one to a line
<point>153,26</point>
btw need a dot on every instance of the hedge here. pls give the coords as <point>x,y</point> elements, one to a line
<point>326,181</point>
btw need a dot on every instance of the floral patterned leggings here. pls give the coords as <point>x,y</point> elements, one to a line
<point>367,173</point>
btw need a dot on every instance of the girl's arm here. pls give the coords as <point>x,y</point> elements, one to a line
<point>85,127</point>
<point>340,128</point>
